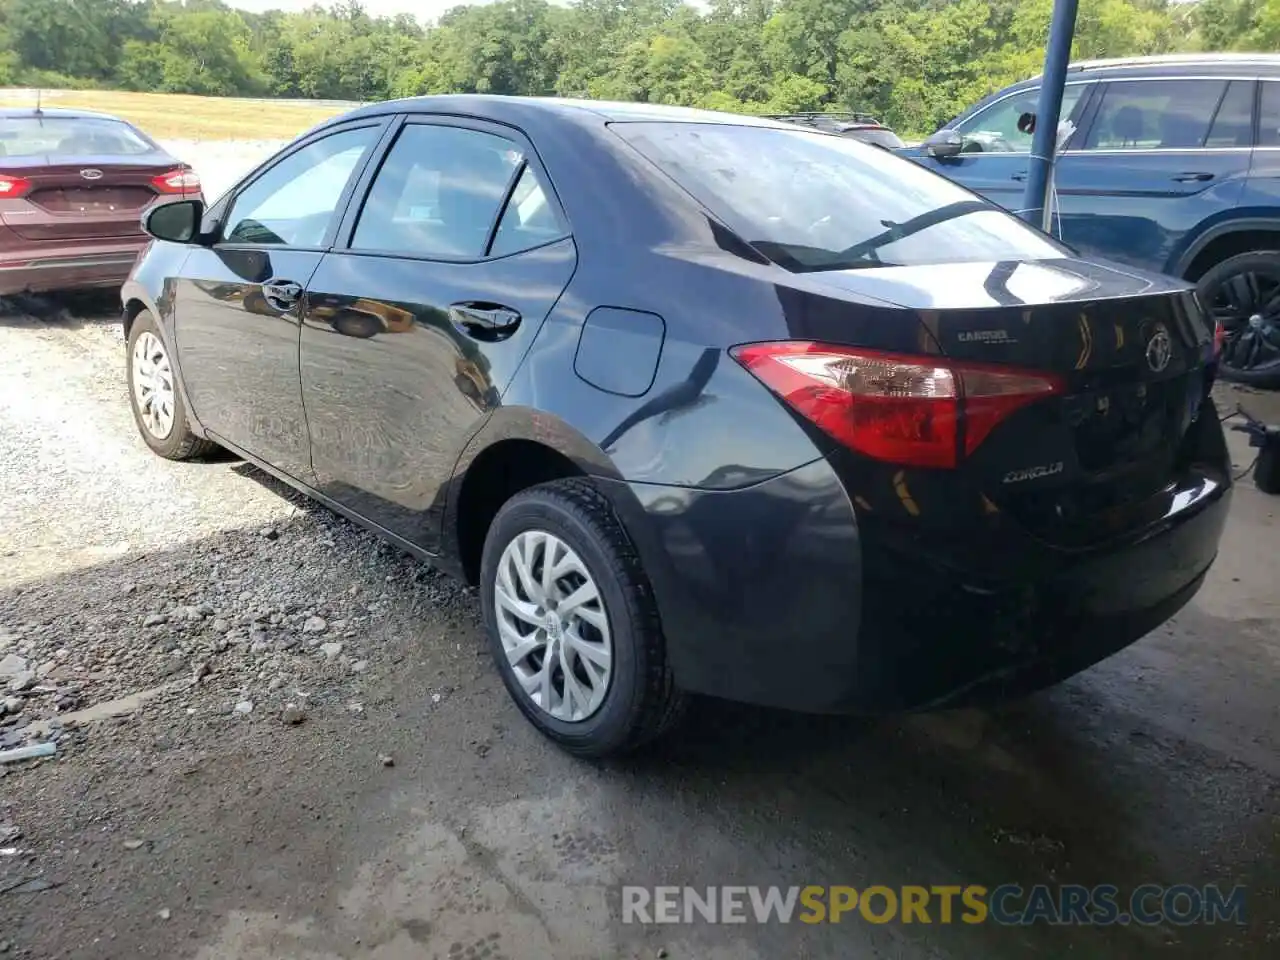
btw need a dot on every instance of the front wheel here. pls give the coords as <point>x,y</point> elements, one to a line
<point>1243,295</point>
<point>572,622</point>
<point>158,407</point>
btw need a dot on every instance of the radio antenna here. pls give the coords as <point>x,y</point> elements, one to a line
<point>39,100</point>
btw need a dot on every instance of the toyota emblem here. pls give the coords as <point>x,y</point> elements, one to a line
<point>91,174</point>
<point>1159,349</point>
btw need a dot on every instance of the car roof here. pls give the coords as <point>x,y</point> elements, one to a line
<point>54,113</point>
<point>511,109</point>
<point>1176,65</point>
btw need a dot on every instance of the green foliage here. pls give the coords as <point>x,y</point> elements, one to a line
<point>914,63</point>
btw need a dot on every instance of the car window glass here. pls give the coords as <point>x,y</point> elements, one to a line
<point>529,218</point>
<point>1155,114</point>
<point>1269,125</point>
<point>294,202</point>
<point>995,129</point>
<point>437,193</point>
<point>1233,124</point>
<point>811,201</point>
<point>56,136</point>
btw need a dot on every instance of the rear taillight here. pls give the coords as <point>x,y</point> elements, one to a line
<point>182,180</point>
<point>911,410</point>
<point>11,186</point>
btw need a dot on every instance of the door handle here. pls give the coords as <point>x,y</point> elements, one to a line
<point>1193,177</point>
<point>484,321</point>
<point>281,294</point>
<point>1019,176</point>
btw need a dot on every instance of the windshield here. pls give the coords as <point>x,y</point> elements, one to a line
<point>69,137</point>
<point>809,201</point>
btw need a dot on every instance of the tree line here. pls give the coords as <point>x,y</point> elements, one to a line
<point>913,63</point>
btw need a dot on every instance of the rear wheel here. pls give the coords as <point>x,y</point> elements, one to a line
<point>1243,294</point>
<point>572,622</point>
<point>158,408</point>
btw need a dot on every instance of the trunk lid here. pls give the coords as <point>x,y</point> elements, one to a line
<point>1132,352</point>
<point>89,197</point>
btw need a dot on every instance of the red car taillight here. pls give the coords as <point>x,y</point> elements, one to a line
<point>12,187</point>
<point>182,180</point>
<point>911,410</point>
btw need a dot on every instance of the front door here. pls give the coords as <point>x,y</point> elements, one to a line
<point>415,327</point>
<point>237,304</point>
<point>995,153</point>
<point>1157,159</point>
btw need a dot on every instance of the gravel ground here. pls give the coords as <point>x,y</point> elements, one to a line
<point>278,738</point>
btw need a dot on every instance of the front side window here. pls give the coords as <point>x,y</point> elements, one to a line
<point>995,129</point>
<point>438,193</point>
<point>1155,115</point>
<point>809,201</point>
<point>295,201</point>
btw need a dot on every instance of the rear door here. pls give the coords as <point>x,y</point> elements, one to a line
<point>1158,157</point>
<point>418,318</point>
<point>995,155</point>
<point>238,304</point>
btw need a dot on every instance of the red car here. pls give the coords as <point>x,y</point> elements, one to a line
<point>73,187</point>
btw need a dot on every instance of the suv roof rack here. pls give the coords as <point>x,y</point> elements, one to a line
<point>1174,59</point>
<point>817,115</point>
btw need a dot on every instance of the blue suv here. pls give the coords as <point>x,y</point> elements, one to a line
<point>1174,166</point>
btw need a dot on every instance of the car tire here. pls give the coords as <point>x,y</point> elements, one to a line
<point>169,436</point>
<point>639,700</point>
<point>1236,292</point>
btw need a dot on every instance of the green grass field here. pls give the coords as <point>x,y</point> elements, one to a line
<point>177,116</point>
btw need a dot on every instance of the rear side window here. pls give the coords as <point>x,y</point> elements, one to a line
<point>1269,124</point>
<point>529,219</point>
<point>438,193</point>
<point>70,137</point>
<point>810,201</point>
<point>1233,123</point>
<point>1155,115</point>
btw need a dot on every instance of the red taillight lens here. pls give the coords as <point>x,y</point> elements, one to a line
<point>11,186</point>
<point>182,180</point>
<point>893,407</point>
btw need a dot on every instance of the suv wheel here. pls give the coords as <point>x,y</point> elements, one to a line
<point>572,622</point>
<point>157,403</point>
<point>1243,294</point>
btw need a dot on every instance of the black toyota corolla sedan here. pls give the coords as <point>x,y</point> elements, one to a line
<point>702,403</point>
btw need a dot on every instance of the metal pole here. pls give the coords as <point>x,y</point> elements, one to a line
<point>1057,54</point>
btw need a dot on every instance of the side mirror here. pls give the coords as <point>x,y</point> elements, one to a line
<point>176,222</point>
<point>944,144</point>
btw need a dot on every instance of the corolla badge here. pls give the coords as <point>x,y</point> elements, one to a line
<point>1033,473</point>
<point>91,174</point>
<point>1159,349</point>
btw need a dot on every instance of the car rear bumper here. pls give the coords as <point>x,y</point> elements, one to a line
<point>777,595</point>
<point>36,271</point>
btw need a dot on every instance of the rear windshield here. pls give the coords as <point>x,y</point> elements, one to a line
<point>69,137</point>
<point>810,201</point>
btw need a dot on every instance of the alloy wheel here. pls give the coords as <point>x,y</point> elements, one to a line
<point>153,388</point>
<point>1247,304</point>
<point>553,626</point>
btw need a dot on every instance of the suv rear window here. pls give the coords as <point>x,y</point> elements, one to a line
<point>810,201</point>
<point>70,137</point>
